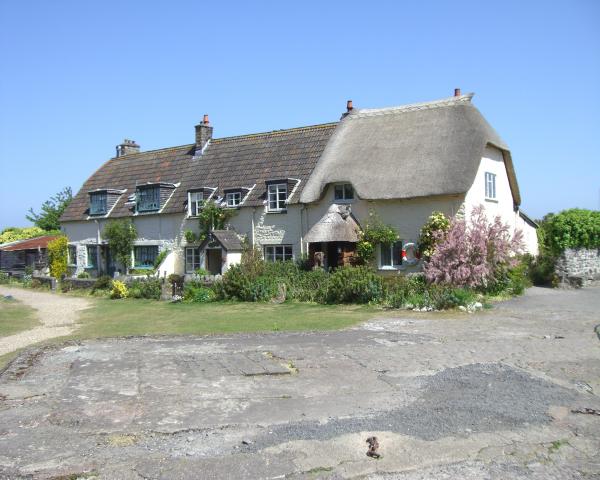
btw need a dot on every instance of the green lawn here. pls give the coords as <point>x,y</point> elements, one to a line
<point>15,317</point>
<point>113,318</point>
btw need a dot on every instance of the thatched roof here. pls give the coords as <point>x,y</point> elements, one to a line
<point>417,150</point>
<point>337,225</point>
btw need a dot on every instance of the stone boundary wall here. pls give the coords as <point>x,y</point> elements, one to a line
<point>578,267</point>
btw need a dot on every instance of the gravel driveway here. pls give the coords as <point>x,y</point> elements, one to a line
<point>57,313</point>
<point>492,395</point>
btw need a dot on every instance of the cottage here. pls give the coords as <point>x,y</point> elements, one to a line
<point>300,191</point>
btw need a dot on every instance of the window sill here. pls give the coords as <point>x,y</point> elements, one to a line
<point>343,201</point>
<point>276,211</point>
<point>493,200</point>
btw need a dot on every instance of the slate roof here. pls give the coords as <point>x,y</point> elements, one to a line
<point>226,163</point>
<point>417,150</point>
<point>228,239</point>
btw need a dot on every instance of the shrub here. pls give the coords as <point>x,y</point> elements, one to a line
<point>149,288</point>
<point>35,283</point>
<point>374,232</point>
<point>4,278</point>
<point>574,228</point>
<point>432,233</point>
<point>309,286</point>
<point>190,237</point>
<point>12,234</point>
<point>102,283</point>
<point>120,235</point>
<point>160,258</point>
<point>473,253</point>
<point>57,257</point>
<point>119,290</point>
<point>201,272</point>
<point>83,275</point>
<point>213,216</point>
<point>198,293</point>
<point>354,285</point>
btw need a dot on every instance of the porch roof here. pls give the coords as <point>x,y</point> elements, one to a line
<point>337,225</point>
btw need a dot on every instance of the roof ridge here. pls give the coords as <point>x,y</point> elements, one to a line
<point>275,132</point>
<point>444,102</point>
<point>164,149</point>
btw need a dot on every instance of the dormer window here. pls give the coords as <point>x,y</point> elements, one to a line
<point>277,197</point>
<point>195,202</point>
<point>233,199</point>
<point>98,203</point>
<point>148,199</point>
<point>343,191</point>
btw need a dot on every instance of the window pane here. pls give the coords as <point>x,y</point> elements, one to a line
<point>348,192</point>
<point>339,192</point>
<point>386,254</point>
<point>92,256</point>
<point>397,253</point>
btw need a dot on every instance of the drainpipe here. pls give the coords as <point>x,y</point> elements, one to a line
<point>302,209</point>
<point>98,240</point>
<point>253,213</point>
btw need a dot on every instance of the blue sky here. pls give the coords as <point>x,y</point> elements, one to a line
<point>78,77</point>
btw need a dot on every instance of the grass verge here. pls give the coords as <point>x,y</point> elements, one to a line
<point>15,317</point>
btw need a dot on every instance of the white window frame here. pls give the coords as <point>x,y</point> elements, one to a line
<point>275,193</point>
<point>346,196</point>
<point>490,186</point>
<point>276,253</point>
<point>196,255</point>
<point>195,203</point>
<point>233,199</point>
<point>392,265</point>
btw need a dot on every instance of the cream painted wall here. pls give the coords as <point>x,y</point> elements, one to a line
<point>503,206</point>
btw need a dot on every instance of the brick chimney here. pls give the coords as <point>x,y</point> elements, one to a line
<point>203,134</point>
<point>127,147</point>
<point>457,92</point>
<point>349,109</point>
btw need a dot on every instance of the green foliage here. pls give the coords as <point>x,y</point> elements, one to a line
<point>190,237</point>
<point>541,270</point>
<point>196,292</point>
<point>202,272</point>
<point>574,228</point>
<point>149,288</point>
<point>12,234</point>
<point>4,278</point>
<point>374,232</point>
<point>57,257</point>
<point>51,211</point>
<point>432,232</point>
<point>213,217</point>
<point>160,258</point>
<point>83,275</point>
<point>102,283</point>
<point>354,285</point>
<point>120,235</point>
<point>119,290</point>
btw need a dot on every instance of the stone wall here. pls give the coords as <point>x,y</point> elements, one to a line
<point>578,267</point>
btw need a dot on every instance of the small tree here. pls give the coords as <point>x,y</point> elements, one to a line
<point>120,235</point>
<point>473,253</point>
<point>51,211</point>
<point>432,233</point>
<point>12,234</point>
<point>213,216</point>
<point>57,257</point>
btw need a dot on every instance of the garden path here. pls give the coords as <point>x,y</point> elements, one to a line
<point>57,313</point>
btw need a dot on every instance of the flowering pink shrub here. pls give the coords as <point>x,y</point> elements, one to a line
<point>473,253</point>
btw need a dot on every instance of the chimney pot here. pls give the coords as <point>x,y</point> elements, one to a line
<point>457,92</point>
<point>205,119</point>
<point>349,106</point>
<point>203,134</point>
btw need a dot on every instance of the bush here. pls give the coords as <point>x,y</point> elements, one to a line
<point>119,290</point>
<point>354,285</point>
<point>475,253</point>
<point>160,258</point>
<point>103,283</point>
<point>83,275</point>
<point>574,228</point>
<point>309,286</point>
<point>120,235</point>
<point>57,257</point>
<point>198,293</point>
<point>149,288</point>
<point>432,233</point>
<point>541,271</point>
<point>35,283</point>
<point>4,278</point>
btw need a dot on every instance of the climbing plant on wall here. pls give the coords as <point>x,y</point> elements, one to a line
<point>374,232</point>
<point>213,216</point>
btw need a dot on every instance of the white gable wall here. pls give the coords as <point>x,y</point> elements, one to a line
<point>503,205</point>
